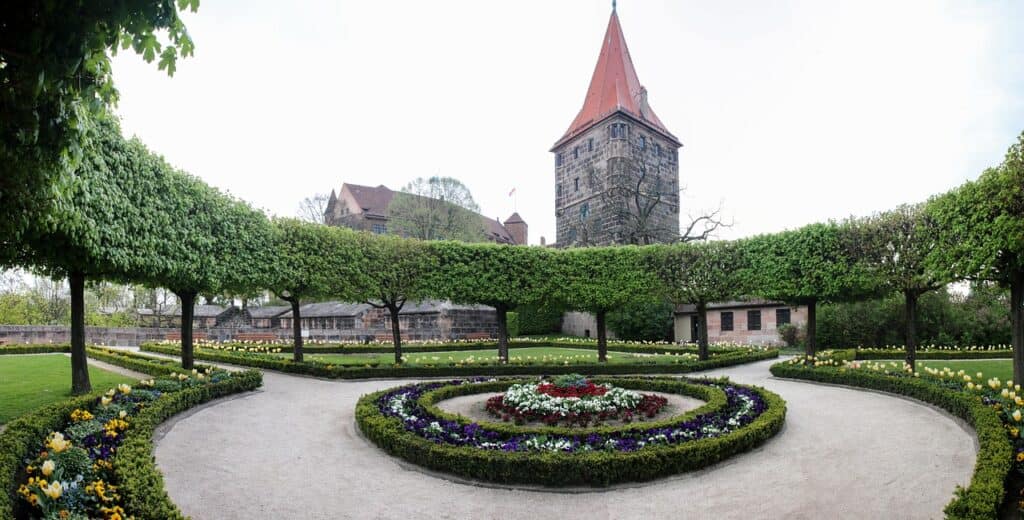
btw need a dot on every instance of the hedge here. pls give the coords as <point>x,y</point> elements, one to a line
<point>34,349</point>
<point>136,362</point>
<point>984,496</point>
<point>594,468</point>
<point>140,482</point>
<point>714,398</point>
<point>875,353</point>
<point>318,369</point>
<point>336,348</point>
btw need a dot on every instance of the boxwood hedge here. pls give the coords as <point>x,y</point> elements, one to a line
<point>984,496</point>
<point>594,468</point>
<point>34,349</point>
<point>327,370</point>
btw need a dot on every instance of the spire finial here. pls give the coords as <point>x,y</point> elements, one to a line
<point>613,6</point>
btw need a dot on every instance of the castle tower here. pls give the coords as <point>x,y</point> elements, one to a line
<point>516,227</point>
<point>616,168</point>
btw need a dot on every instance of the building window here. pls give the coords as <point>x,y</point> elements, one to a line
<point>558,190</point>
<point>379,229</point>
<point>590,144</point>
<point>558,160</point>
<point>584,211</point>
<point>642,142</point>
<point>753,320</point>
<point>657,150</point>
<point>618,130</point>
<point>726,321</point>
<point>576,152</point>
<point>576,184</point>
<point>781,317</point>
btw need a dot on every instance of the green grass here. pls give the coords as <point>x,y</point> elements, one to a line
<point>28,382</point>
<point>535,355</point>
<point>1000,368</point>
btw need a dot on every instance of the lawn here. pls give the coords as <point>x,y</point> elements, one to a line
<point>1001,368</point>
<point>534,355</point>
<point>28,382</point>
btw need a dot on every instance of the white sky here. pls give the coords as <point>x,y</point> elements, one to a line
<point>790,111</point>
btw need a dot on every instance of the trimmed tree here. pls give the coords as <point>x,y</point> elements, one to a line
<point>982,236</point>
<point>698,274</point>
<point>314,261</point>
<point>599,279</point>
<point>500,276</point>
<point>894,245</point>
<point>807,266</point>
<point>397,269</point>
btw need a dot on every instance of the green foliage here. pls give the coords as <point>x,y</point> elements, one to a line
<point>334,371</point>
<point>55,68</point>
<point>397,270</point>
<point>438,208</point>
<point>539,318</point>
<point>599,279</point>
<point>980,318</point>
<point>316,261</point>
<point>490,274</point>
<point>984,496</point>
<point>650,320</point>
<point>791,335</point>
<point>513,324</point>
<point>34,349</point>
<point>894,246</point>
<point>696,273</point>
<point>554,469</point>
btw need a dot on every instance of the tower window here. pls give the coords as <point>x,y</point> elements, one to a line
<point>590,144</point>
<point>657,150</point>
<point>558,159</point>
<point>618,130</point>
<point>584,211</point>
<point>558,190</point>
<point>576,152</point>
<point>642,142</point>
<point>576,184</point>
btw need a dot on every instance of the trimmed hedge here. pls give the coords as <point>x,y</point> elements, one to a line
<point>34,349</point>
<point>714,398</point>
<point>313,368</point>
<point>140,482</point>
<point>136,362</point>
<point>984,496</point>
<point>633,348</point>
<point>874,353</point>
<point>595,468</point>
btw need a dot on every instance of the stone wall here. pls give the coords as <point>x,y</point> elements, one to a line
<point>594,175</point>
<point>768,335</point>
<point>581,324</point>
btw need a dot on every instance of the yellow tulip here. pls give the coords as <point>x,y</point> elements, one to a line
<point>54,490</point>
<point>1016,415</point>
<point>48,468</point>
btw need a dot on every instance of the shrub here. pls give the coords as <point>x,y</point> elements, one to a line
<point>34,349</point>
<point>792,335</point>
<point>649,320</point>
<point>540,319</point>
<point>513,324</point>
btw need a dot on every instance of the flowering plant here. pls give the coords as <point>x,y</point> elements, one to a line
<point>572,399</point>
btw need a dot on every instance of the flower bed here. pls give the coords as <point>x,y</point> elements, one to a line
<point>92,456</point>
<point>334,371</point>
<point>572,399</point>
<point>404,422</point>
<point>994,426</point>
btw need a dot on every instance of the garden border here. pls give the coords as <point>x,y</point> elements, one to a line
<point>595,468</point>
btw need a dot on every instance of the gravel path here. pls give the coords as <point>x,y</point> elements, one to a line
<point>292,450</point>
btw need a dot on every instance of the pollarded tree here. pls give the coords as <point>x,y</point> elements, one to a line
<point>600,279</point>
<point>397,269</point>
<point>315,261</point>
<point>698,274</point>
<point>501,276</point>
<point>807,266</point>
<point>894,246</point>
<point>982,224</point>
<point>55,73</point>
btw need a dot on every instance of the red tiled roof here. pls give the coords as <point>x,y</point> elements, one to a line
<point>614,87</point>
<point>515,219</point>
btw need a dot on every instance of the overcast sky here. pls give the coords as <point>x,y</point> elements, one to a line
<point>790,111</point>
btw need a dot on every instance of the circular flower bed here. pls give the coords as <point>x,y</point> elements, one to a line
<point>572,399</point>
<point>405,422</point>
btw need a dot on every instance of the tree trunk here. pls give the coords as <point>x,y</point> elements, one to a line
<point>396,333</point>
<point>296,330</point>
<point>502,312</point>
<point>1017,324</point>
<point>911,311</point>
<point>812,327</point>
<point>702,331</point>
<point>602,338</point>
<point>188,305</point>
<point>79,361</point>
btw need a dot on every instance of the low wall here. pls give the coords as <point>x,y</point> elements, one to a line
<point>581,324</point>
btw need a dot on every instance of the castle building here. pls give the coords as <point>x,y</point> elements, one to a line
<point>616,167</point>
<point>365,208</point>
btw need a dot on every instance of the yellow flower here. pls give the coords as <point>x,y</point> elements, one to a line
<point>1016,415</point>
<point>48,468</point>
<point>54,490</point>
<point>81,415</point>
<point>1020,457</point>
<point>57,442</point>
<point>124,389</point>
<point>122,414</point>
<point>105,401</point>
<point>110,393</point>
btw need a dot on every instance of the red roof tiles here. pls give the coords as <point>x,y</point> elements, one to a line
<point>614,87</point>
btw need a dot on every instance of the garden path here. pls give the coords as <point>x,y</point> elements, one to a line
<point>292,450</point>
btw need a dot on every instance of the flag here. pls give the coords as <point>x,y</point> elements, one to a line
<point>513,192</point>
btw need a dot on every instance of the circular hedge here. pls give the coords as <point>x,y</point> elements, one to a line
<point>405,422</point>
